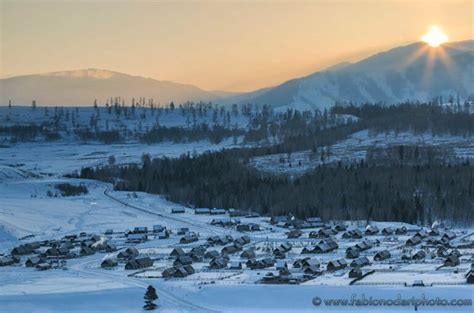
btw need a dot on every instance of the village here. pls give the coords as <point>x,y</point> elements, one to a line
<point>232,246</point>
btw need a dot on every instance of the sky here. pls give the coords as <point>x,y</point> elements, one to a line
<point>215,45</point>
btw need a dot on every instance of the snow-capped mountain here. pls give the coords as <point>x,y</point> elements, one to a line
<point>412,72</point>
<point>82,87</point>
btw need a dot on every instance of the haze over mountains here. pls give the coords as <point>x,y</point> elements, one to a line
<point>412,72</point>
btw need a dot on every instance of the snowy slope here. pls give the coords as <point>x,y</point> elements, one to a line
<point>414,72</point>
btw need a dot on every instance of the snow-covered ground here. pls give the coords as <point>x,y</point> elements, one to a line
<point>355,147</point>
<point>29,170</point>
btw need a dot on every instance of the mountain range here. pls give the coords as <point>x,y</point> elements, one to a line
<point>412,72</point>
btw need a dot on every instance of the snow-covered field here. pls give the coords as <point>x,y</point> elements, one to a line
<point>29,170</point>
<point>355,147</point>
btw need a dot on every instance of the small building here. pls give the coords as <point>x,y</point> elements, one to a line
<point>413,241</point>
<point>182,231</point>
<point>470,278</point>
<point>33,261</point>
<point>169,272</point>
<point>110,247</point>
<point>401,230</point>
<point>281,264</point>
<point>364,245</point>
<point>355,273</point>
<point>211,254</point>
<point>382,255</point>
<point>163,234</point>
<point>311,270</point>
<point>340,227</point>
<point>108,232</point>
<point>139,263</point>
<point>109,263</point>
<point>183,260</point>
<point>87,251</point>
<point>371,230</point>
<point>336,265</point>
<point>231,249</point>
<point>158,228</point>
<point>218,263</point>
<point>177,252</point>
<point>127,254</point>
<point>353,234</point>
<point>448,236</point>
<point>188,238</point>
<point>352,252</point>
<point>7,261</point>
<point>216,211</point>
<point>140,230</point>
<point>201,211</point>
<point>296,233</point>
<point>248,254</point>
<point>136,238</point>
<point>360,262</point>
<point>419,255</point>
<point>177,210</point>
<point>388,231</point>
<point>235,265</point>
<point>452,260</point>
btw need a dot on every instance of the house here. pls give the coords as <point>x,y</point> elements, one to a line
<point>419,255</point>
<point>281,264</point>
<point>326,233</point>
<point>217,211</point>
<point>452,260</point>
<point>231,249</point>
<point>136,238</point>
<point>201,211</point>
<point>307,262</point>
<point>322,248</point>
<point>248,254</point>
<point>311,270</point>
<point>235,213</point>
<point>355,273</point>
<point>352,252</point>
<point>211,254</point>
<point>189,269</point>
<point>158,228</point>
<point>244,227</point>
<point>313,234</point>
<point>177,210</point>
<point>86,251</point>
<point>336,265</point>
<point>279,219</point>
<point>199,250</point>
<point>448,236</point>
<point>401,230</point>
<point>442,251</point>
<point>7,261</point>
<point>242,240</point>
<point>177,252</point>
<point>413,241</point>
<point>164,234</point>
<point>371,230</point>
<point>183,260</point>
<point>109,263</point>
<point>422,234</point>
<point>382,255</point>
<point>195,256</point>
<point>33,261</point>
<point>314,221</point>
<point>169,272</point>
<point>388,231</point>
<point>296,233</point>
<point>218,263</point>
<point>182,231</point>
<point>127,254</point>
<point>340,227</point>
<point>110,247</point>
<point>26,248</point>
<point>43,266</point>
<point>235,265</point>
<point>140,230</point>
<point>267,262</point>
<point>108,232</point>
<point>286,246</point>
<point>352,234</point>
<point>360,262</point>
<point>364,245</point>
<point>139,263</point>
<point>434,232</point>
<point>188,238</point>
<point>180,272</point>
<point>279,253</point>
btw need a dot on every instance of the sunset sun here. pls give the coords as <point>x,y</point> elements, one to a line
<point>435,37</point>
